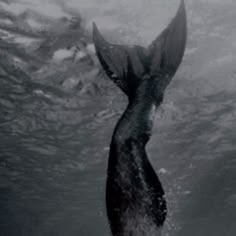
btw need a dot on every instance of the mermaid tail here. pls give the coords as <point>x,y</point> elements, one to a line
<point>127,66</point>
<point>135,199</point>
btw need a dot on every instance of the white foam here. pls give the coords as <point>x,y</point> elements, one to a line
<point>62,54</point>
<point>44,7</point>
<point>6,35</point>
<point>91,48</point>
<point>80,55</point>
<point>15,8</point>
<point>6,21</point>
<point>25,40</point>
<point>34,24</point>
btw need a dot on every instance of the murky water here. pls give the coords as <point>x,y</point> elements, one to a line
<point>54,140</point>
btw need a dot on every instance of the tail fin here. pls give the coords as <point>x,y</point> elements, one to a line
<point>128,65</point>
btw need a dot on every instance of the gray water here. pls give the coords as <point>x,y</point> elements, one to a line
<point>55,134</point>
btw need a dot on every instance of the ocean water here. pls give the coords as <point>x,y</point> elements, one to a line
<point>54,141</point>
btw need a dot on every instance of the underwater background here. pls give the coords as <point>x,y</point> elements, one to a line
<point>58,111</point>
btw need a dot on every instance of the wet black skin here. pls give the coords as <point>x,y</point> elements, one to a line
<point>135,200</point>
<point>133,188</point>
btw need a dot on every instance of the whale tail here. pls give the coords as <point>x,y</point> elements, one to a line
<point>128,66</point>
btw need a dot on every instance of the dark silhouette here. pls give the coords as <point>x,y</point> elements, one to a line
<point>134,196</point>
